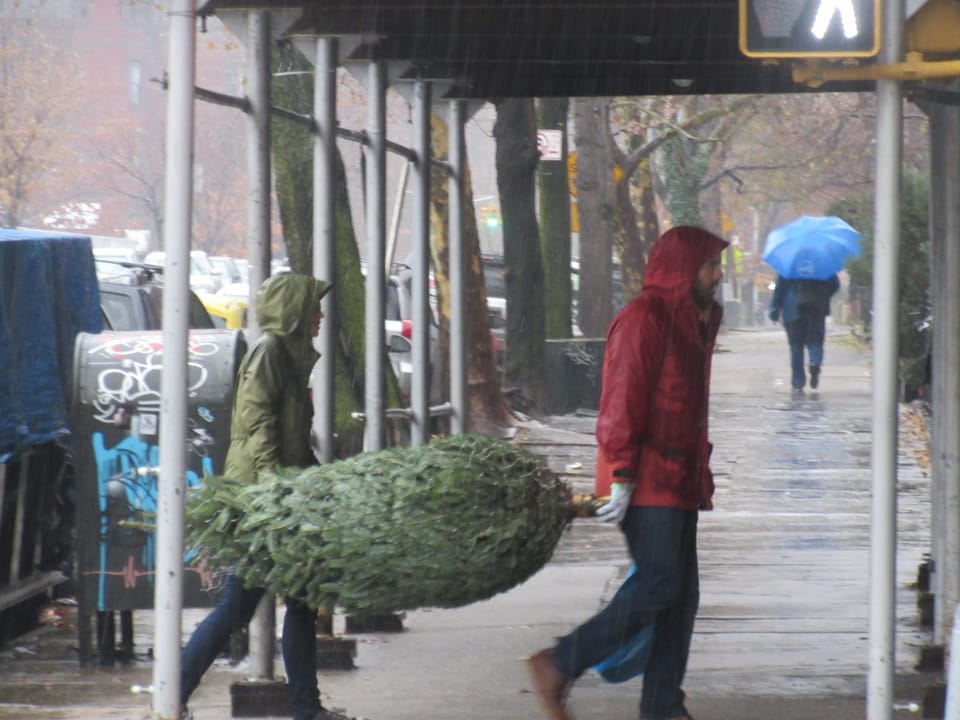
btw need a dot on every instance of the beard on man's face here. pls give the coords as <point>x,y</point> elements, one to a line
<point>703,294</point>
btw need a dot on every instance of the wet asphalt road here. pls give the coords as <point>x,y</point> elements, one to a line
<point>782,628</point>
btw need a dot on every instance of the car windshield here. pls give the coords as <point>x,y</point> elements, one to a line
<point>118,310</point>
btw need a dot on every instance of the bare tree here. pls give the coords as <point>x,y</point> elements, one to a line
<point>33,110</point>
<point>595,201</point>
<point>517,158</point>
<point>616,182</point>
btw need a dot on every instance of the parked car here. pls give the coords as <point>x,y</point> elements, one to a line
<point>243,267</point>
<point>279,265</point>
<point>226,312</point>
<point>494,271</point>
<point>398,321</point>
<point>115,254</point>
<point>203,276</point>
<point>132,299</point>
<point>116,272</point>
<point>227,267</point>
<point>494,277</point>
<point>235,291</point>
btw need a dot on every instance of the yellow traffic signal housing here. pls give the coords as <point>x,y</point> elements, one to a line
<point>809,28</point>
<point>934,28</point>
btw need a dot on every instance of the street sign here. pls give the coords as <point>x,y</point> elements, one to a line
<point>809,28</point>
<point>550,144</point>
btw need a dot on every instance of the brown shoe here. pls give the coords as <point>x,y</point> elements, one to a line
<point>550,684</point>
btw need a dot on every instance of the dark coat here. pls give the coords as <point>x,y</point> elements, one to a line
<point>652,426</point>
<point>794,297</point>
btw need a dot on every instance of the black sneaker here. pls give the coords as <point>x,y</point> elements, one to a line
<point>814,376</point>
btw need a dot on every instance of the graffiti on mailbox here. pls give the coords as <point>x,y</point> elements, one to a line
<point>123,382</point>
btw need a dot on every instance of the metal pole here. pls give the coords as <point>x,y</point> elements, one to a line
<point>458,325</point>
<point>262,629</point>
<point>324,238</point>
<point>952,708</point>
<point>375,387</point>
<point>258,159</point>
<point>940,198</point>
<point>178,189</point>
<point>420,381</point>
<point>948,569</point>
<point>883,518</point>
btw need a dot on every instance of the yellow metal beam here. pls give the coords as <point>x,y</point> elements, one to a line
<point>914,67</point>
<point>933,31</point>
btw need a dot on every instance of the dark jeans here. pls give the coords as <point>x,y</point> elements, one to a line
<point>808,331</point>
<point>233,612</point>
<point>665,591</point>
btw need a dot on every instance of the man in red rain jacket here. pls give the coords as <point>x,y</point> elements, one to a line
<point>652,438</point>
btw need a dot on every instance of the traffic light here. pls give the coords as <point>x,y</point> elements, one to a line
<point>810,28</point>
<point>490,214</point>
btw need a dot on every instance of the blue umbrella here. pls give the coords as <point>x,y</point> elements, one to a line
<point>811,247</point>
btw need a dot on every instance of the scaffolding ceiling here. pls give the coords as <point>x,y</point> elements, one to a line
<point>490,49</point>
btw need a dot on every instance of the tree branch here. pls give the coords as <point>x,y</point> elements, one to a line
<point>683,129</point>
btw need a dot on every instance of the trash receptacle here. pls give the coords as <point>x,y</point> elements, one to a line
<point>115,420</point>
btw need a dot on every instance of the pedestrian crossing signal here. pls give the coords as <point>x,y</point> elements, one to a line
<point>810,28</point>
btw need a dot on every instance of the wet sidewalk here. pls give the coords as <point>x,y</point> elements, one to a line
<point>782,628</point>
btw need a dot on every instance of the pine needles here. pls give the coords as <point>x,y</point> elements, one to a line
<point>441,525</point>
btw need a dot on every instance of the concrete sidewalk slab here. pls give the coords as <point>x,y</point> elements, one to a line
<point>782,629</point>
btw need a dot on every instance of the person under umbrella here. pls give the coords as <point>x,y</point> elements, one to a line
<point>807,254</point>
<point>803,305</point>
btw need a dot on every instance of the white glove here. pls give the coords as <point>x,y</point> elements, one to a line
<point>616,508</point>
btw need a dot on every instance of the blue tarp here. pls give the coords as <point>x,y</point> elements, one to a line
<point>48,293</point>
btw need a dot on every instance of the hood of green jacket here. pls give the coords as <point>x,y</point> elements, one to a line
<point>271,419</point>
<point>286,304</point>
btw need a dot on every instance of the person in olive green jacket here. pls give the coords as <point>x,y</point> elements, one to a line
<point>270,428</point>
<point>272,413</point>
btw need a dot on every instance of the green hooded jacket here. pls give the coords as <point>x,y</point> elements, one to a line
<point>272,410</point>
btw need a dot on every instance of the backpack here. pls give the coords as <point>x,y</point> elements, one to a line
<point>811,296</point>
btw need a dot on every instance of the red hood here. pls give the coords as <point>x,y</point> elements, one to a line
<point>677,257</point>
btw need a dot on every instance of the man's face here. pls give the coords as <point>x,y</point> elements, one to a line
<point>315,326</point>
<point>707,280</point>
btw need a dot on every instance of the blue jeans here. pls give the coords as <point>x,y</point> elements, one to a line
<point>806,332</point>
<point>233,612</point>
<point>664,590</point>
